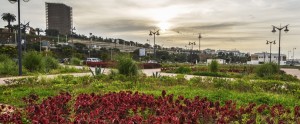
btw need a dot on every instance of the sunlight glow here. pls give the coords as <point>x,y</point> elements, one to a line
<point>163,26</point>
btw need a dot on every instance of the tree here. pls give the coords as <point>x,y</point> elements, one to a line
<point>52,32</point>
<point>38,31</point>
<point>9,18</point>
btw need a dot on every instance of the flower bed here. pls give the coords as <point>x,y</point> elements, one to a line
<point>128,107</point>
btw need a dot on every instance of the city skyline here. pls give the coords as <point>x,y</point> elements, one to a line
<point>226,24</point>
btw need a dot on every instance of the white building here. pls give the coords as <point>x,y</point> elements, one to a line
<point>220,61</point>
<point>260,58</point>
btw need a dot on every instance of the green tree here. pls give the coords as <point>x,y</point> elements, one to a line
<point>9,18</point>
<point>214,66</point>
<point>52,32</point>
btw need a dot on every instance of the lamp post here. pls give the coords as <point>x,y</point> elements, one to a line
<point>186,54</point>
<point>91,34</point>
<point>19,35</point>
<point>271,42</point>
<point>72,32</point>
<point>293,55</point>
<point>192,43</point>
<point>199,37</point>
<point>154,32</point>
<point>289,54</point>
<point>279,29</point>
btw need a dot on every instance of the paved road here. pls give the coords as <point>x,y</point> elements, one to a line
<point>294,72</point>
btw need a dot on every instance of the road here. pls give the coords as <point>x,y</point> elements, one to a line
<point>294,72</point>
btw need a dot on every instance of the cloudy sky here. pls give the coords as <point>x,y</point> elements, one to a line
<point>224,24</point>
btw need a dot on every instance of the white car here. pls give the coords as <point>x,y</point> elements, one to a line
<point>93,60</point>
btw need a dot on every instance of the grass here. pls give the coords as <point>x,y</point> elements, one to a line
<point>221,90</point>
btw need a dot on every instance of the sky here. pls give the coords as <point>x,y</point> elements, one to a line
<point>243,25</point>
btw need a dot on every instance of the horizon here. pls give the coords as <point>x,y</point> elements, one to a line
<point>224,25</point>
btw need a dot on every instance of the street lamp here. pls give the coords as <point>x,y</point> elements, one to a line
<point>271,42</point>
<point>289,54</point>
<point>279,29</point>
<point>192,43</point>
<point>199,37</point>
<point>154,33</point>
<point>72,32</point>
<point>91,34</point>
<point>293,55</point>
<point>19,35</point>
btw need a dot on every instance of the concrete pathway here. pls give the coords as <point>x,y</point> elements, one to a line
<point>294,72</point>
<point>148,72</point>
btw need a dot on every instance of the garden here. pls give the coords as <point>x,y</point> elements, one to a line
<point>267,71</point>
<point>35,63</point>
<point>128,96</point>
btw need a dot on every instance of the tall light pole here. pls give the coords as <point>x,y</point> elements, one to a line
<point>271,42</point>
<point>72,32</point>
<point>199,37</point>
<point>91,34</point>
<point>293,55</point>
<point>154,32</point>
<point>289,54</point>
<point>19,35</point>
<point>192,43</point>
<point>279,29</point>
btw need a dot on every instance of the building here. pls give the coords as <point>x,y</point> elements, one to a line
<point>59,17</point>
<point>260,58</point>
<point>220,61</point>
<point>209,51</point>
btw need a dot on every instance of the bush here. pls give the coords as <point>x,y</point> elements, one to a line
<point>33,61</point>
<point>126,66</point>
<point>8,67</point>
<point>183,70</point>
<point>267,70</point>
<point>50,63</point>
<point>214,66</point>
<point>3,57</point>
<point>213,74</point>
<point>75,61</point>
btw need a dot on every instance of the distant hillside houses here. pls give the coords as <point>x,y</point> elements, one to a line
<point>236,53</point>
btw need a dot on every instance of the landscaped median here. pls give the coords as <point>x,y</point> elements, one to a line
<point>102,99</point>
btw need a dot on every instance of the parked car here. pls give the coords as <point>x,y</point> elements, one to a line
<point>93,62</point>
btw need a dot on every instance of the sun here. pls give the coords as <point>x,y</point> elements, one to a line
<point>163,26</point>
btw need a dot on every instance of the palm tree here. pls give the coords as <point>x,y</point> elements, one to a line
<point>38,30</point>
<point>9,18</point>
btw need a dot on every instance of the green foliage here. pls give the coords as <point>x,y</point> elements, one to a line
<point>4,57</point>
<point>33,61</point>
<point>213,74</point>
<point>183,70</point>
<point>50,63</point>
<point>267,70</point>
<point>8,50</point>
<point>75,61</point>
<point>8,67</point>
<point>214,66</point>
<point>126,66</point>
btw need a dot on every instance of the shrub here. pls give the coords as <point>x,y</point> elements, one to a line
<point>33,61</point>
<point>267,70</point>
<point>213,74</point>
<point>214,66</point>
<point>8,67</point>
<point>75,61</point>
<point>126,66</point>
<point>3,57</point>
<point>183,70</point>
<point>50,63</point>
